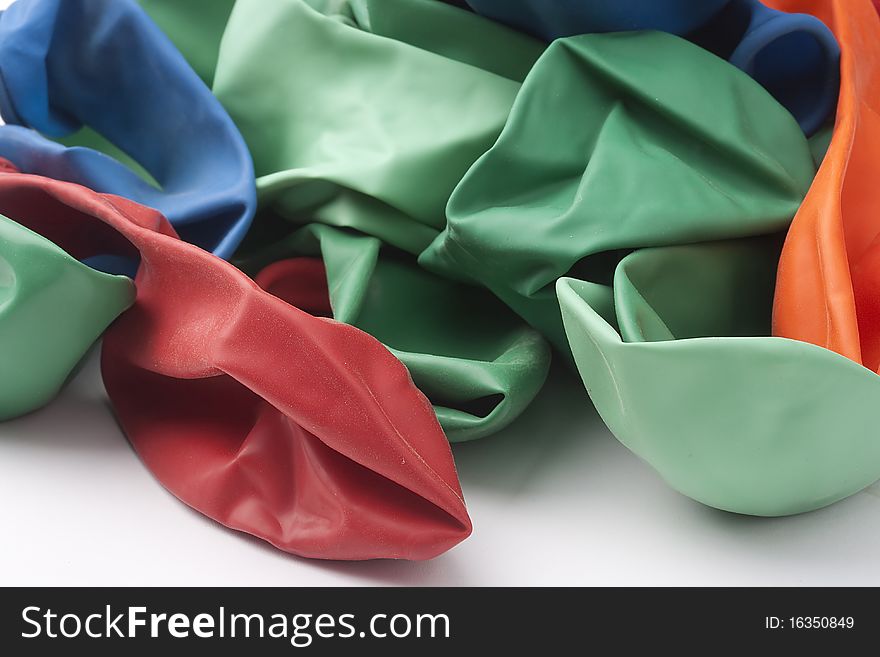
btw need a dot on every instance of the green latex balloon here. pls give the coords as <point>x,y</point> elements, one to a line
<point>382,147</point>
<point>52,309</point>
<point>195,27</point>
<point>604,152</point>
<point>363,115</point>
<point>739,423</point>
<point>475,360</point>
<point>820,142</point>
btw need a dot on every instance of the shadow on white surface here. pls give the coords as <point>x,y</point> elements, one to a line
<point>554,499</point>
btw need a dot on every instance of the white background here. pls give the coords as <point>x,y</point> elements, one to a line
<point>555,499</point>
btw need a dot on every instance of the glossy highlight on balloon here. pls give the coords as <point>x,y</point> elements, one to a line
<point>104,64</point>
<point>301,430</point>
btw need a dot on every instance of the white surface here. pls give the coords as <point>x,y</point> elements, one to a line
<point>554,500</point>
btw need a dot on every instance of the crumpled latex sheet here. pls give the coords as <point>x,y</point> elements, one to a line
<point>104,64</point>
<point>603,154</point>
<point>358,172</point>
<point>663,220</point>
<point>761,425</point>
<point>795,57</point>
<point>298,429</point>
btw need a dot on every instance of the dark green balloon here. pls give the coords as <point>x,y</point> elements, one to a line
<point>606,151</point>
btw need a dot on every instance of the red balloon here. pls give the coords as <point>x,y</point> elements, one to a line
<point>298,429</point>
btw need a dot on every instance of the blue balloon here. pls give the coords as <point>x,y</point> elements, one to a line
<point>551,19</point>
<point>794,56</point>
<point>104,64</point>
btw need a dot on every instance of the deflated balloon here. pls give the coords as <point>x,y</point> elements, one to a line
<point>603,153</point>
<point>298,429</point>
<point>104,64</point>
<point>795,57</point>
<point>52,308</point>
<point>829,272</point>
<point>760,425</point>
<point>465,350</point>
<point>381,148</point>
<point>738,422</point>
<point>377,154</point>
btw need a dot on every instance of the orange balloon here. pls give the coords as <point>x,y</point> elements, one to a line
<point>828,282</point>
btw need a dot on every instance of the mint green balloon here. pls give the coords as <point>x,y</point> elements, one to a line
<point>470,355</point>
<point>355,129</point>
<point>361,117</point>
<point>52,309</point>
<point>756,425</point>
<point>616,142</point>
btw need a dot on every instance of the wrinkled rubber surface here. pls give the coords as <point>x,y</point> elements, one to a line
<point>758,425</point>
<point>829,272</point>
<point>330,158</point>
<point>795,57</point>
<point>377,154</point>
<point>301,430</point>
<point>104,64</point>
<point>477,363</point>
<point>606,153</point>
<point>52,309</point>
<point>743,423</point>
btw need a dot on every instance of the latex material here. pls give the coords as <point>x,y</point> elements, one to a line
<point>434,112</point>
<point>52,308</point>
<point>104,64</point>
<point>827,289</point>
<point>301,430</point>
<point>195,27</point>
<point>328,159</point>
<point>765,425</point>
<point>467,352</point>
<point>739,423</point>
<point>378,152</point>
<point>604,153</point>
<point>795,57</point>
<point>551,19</point>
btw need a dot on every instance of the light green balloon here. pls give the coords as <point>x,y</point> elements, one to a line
<point>52,309</point>
<point>757,425</point>
<point>358,130</point>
